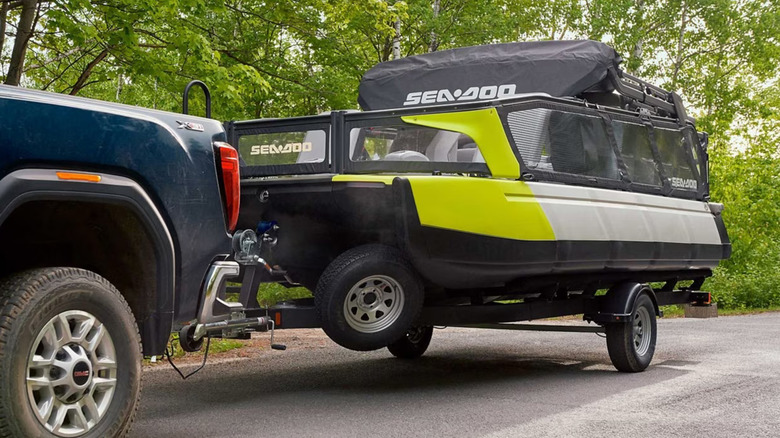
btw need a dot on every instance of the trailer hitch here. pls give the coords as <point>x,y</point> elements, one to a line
<point>223,318</point>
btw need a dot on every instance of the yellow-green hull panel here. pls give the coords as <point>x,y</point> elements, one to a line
<point>386,179</point>
<point>495,208</point>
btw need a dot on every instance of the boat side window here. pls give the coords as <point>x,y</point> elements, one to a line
<point>281,148</point>
<point>633,141</point>
<point>403,142</point>
<point>676,158</point>
<point>692,142</point>
<point>563,142</point>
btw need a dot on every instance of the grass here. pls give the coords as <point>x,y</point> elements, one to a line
<point>676,311</point>
<point>271,293</point>
<point>217,346</point>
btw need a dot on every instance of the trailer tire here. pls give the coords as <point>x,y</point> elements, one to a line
<point>631,345</point>
<point>413,343</point>
<point>70,356</point>
<point>368,297</point>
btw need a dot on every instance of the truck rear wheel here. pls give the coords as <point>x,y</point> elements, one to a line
<point>70,356</point>
<point>631,345</point>
<point>368,297</point>
<point>413,343</point>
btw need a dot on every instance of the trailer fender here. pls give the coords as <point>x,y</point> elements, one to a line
<point>618,304</point>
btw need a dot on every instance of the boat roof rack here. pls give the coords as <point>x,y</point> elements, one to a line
<point>640,94</point>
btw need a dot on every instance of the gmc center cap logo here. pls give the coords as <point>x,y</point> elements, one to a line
<point>472,93</point>
<point>81,373</point>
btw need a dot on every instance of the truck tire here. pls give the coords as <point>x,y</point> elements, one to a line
<point>631,345</point>
<point>368,297</point>
<point>70,356</point>
<point>413,343</point>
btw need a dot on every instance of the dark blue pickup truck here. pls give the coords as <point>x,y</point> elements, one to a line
<point>111,219</point>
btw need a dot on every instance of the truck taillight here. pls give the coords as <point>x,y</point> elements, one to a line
<point>231,187</point>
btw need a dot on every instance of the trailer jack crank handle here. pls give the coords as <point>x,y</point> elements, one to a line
<point>281,347</point>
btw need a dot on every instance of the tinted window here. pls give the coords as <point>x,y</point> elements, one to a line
<point>294,147</point>
<point>692,142</point>
<point>674,157</point>
<point>563,142</point>
<point>633,141</point>
<point>412,143</point>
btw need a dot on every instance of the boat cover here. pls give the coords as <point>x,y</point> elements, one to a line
<point>558,68</point>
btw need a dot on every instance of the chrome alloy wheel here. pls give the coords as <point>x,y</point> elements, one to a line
<point>373,304</point>
<point>71,373</point>
<point>643,331</point>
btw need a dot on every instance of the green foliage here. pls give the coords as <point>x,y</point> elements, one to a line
<point>271,293</point>
<point>217,345</point>
<point>748,183</point>
<point>297,57</point>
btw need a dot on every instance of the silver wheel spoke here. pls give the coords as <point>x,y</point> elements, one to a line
<point>105,364</point>
<point>70,351</point>
<point>41,362</point>
<point>59,419</point>
<point>80,418</point>
<point>61,364</point>
<point>63,329</point>
<point>58,382</point>
<point>382,308</point>
<point>82,330</point>
<point>88,404</point>
<point>38,382</point>
<point>46,410</point>
<point>103,383</point>
<point>95,340</point>
<point>49,341</point>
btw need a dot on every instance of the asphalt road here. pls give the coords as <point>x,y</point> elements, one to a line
<point>710,378</point>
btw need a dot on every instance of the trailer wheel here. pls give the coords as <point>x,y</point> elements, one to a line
<point>368,297</point>
<point>412,344</point>
<point>631,345</point>
<point>70,356</point>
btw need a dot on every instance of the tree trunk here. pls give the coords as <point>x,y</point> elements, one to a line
<point>434,45</point>
<point>397,39</point>
<point>3,16</point>
<point>119,82</point>
<point>636,54</point>
<point>24,32</point>
<point>679,58</point>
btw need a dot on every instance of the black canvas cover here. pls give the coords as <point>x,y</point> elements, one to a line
<point>558,68</point>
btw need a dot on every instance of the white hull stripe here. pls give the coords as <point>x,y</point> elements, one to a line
<point>584,213</point>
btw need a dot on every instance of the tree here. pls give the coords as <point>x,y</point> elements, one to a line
<point>297,57</point>
<point>30,12</point>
